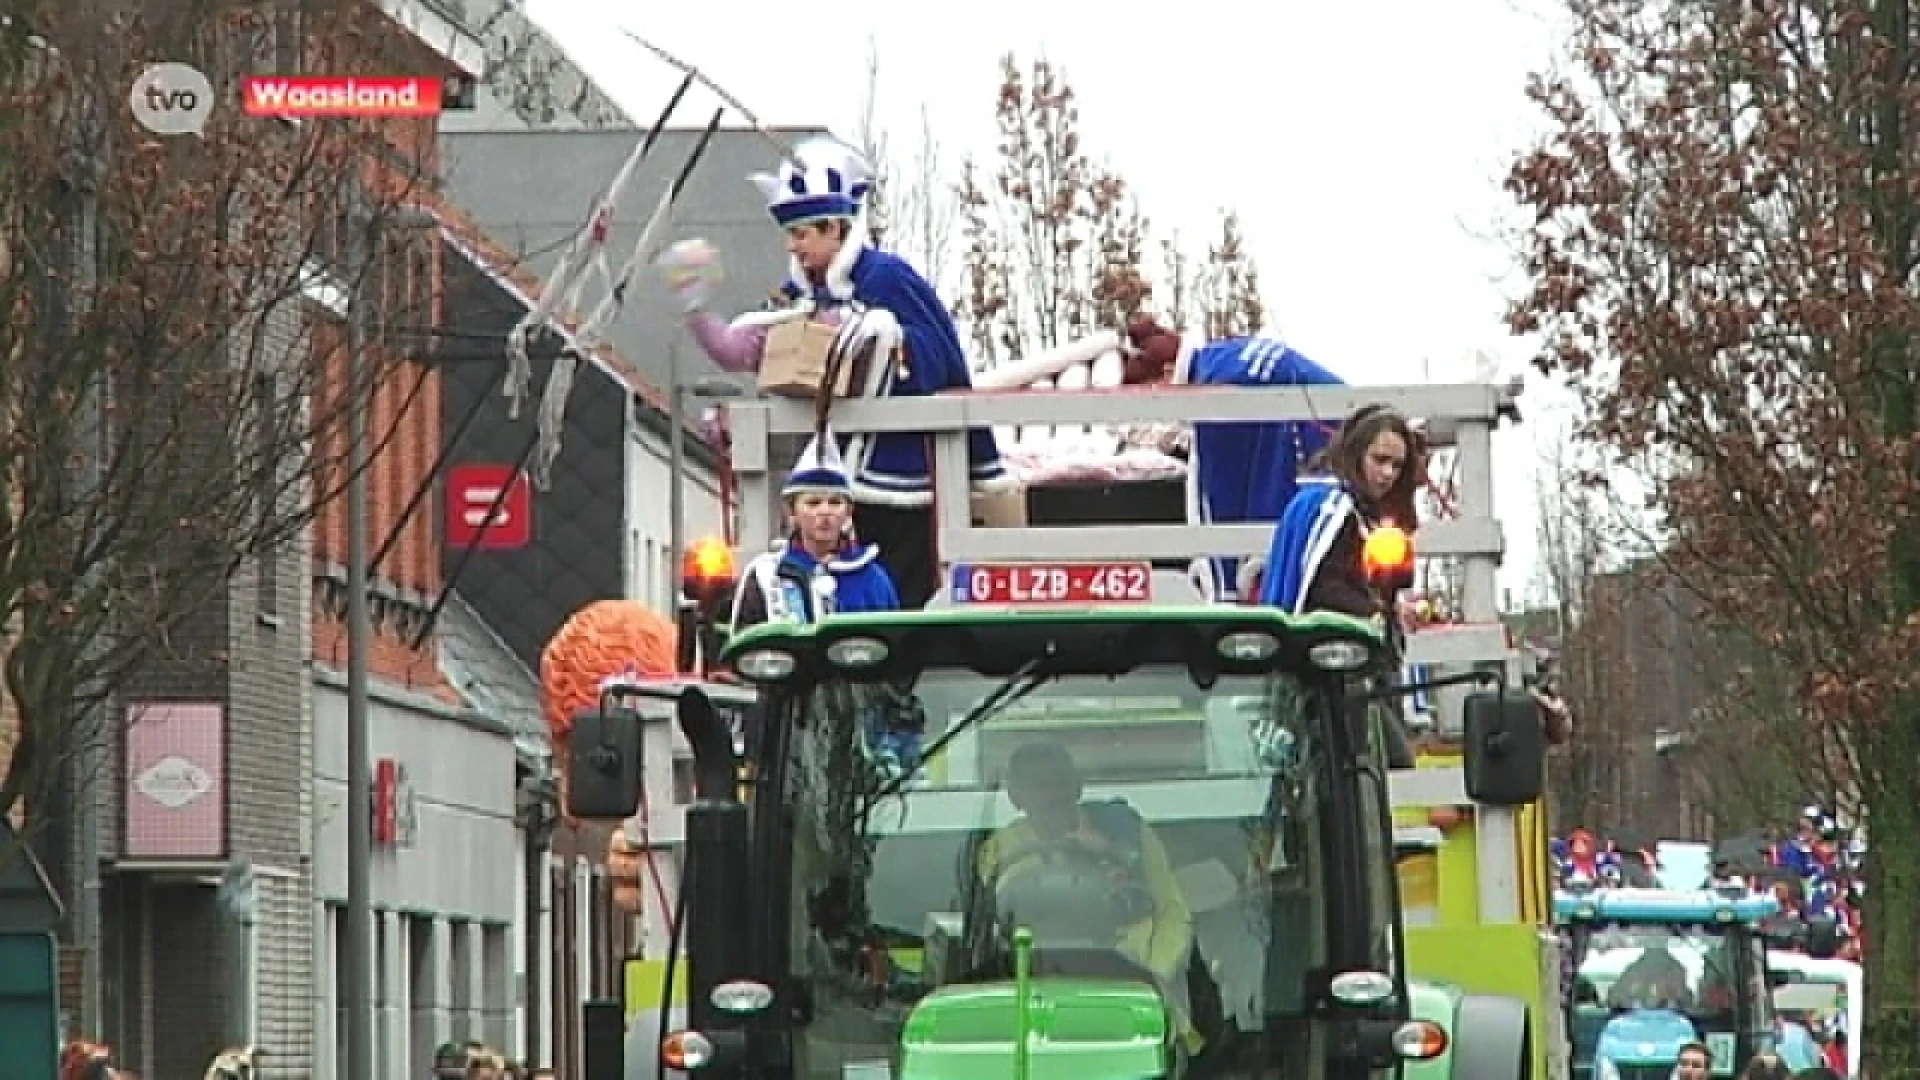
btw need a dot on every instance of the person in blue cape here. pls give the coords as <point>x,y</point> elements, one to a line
<point>819,569</point>
<point>1238,472</point>
<point>1367,477</point>
<point>837,275</point>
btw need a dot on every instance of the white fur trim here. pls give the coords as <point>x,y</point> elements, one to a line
<point>839,275</point>
<point>759,573</point>
<point>863,558</point>
<point>763,319</point>
<point>1190,343</point>
<point>878,496</point>
<point>1326,527</point>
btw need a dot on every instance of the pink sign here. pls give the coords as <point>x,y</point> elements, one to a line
<point>176,781</point>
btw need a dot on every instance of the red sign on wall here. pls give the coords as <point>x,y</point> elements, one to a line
<point>472,492</point>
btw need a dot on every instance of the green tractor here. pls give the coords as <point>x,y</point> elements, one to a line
<point>1087,842</point>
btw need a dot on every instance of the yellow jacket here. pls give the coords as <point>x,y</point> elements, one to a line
<point>1160,942</point>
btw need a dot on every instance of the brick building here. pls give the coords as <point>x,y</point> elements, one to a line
<point>213,903</point>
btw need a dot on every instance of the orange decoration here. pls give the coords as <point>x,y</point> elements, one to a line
<point>605,638</point>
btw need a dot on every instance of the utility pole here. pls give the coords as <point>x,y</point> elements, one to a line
<point>358,991</point>
<point>677,461</point>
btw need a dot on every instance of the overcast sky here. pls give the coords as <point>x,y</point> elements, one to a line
<point>1363,145</point>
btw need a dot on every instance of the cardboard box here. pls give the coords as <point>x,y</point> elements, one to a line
<point>1000,509</point>
<point>795,362</point>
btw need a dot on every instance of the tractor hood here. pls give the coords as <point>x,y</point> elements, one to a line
<point>1081,1030</point>
<point>1645,1037</point>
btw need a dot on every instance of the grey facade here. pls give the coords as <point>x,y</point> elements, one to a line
<point>445,894</point>
<point>532,190</point>
<point>583,525</point>
<point>180,976</point>
<point>524,595</point>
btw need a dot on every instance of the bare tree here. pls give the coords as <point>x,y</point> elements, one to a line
<point>1573,539</point>
<point>912,209</point>
<point>171,384</point>
<point>1178,282</point>
<point>1053,241</point>
<point>1228,289</point>
<point>1722,236</point>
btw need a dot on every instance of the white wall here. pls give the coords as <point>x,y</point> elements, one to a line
<point>447,909</point>
<point>651,569</point>
<point>463,859</point>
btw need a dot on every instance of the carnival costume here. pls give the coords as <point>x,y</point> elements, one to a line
<point>788,584</point>
<point>872,293</point>
<point>1320,510</point>
<point>1243,472</point>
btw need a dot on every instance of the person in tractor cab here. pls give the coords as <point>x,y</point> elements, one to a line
<point>820,568</point>
<point>1655,980</point>
<point>837,276</point>
<point>1244,472</point>
<point>1094,874</point>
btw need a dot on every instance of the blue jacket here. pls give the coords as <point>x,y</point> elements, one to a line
<point>789,585</point>
<point>892,467</point>
<point>1254,472</point>
<point>1309,530</point>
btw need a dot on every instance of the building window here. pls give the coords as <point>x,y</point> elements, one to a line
<point>266,475</point>
<point>423,993</point>
<point>496,1002</point>
<point>460,964</point>
<point>669,588</point>
<point>342,974</point>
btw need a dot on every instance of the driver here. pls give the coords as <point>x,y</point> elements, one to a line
<point>1655,980</point>
<point>1056,828</point>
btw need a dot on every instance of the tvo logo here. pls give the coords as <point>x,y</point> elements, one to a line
<point>171,99</point>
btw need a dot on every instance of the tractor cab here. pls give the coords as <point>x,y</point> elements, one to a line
<point>1655,969</point>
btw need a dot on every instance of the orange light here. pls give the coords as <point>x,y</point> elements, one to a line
<point>708,562</point>
<point>1388,555</point>
<point>1420,1040</point>
<point>686,1051</point>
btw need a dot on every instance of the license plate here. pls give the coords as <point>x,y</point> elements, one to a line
<point>1053,583</point>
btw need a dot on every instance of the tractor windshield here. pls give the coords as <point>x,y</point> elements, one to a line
<point>1142,827</point>
<point>1713,976</point>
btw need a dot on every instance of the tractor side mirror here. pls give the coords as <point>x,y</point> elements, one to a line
<point>1506,750</point>
<point>604,756</point>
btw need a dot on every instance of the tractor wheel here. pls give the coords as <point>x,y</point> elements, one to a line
<point>1491,1040</point>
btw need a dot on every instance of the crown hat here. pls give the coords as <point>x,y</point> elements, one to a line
<point>823,179</point>
<point>820,470</point>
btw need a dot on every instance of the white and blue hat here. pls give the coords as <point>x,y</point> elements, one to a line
<point>820,470</point>
<point>823,180</point>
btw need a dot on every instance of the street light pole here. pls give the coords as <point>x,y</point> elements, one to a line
<point>357,993</point>
<point>677,462</point>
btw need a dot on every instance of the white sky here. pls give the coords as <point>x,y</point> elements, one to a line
<point>1362,144</point>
